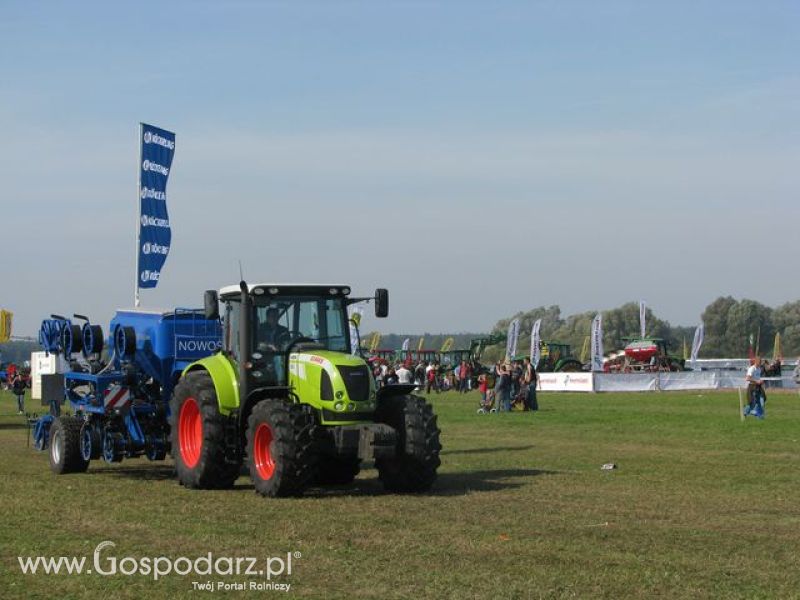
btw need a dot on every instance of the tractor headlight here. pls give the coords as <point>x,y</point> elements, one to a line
<point>351,407</point>
<point>339,395</point>
<point>339,406</point>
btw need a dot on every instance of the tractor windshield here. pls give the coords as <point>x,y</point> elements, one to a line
<point>282,320</point>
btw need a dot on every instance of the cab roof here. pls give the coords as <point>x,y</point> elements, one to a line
<point>288,289</point>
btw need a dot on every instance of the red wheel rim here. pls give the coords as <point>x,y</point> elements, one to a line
<point>262,454</point>
<point>190,432</point>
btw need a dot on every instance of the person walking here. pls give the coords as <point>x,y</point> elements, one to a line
<point>430,379</point>
<point>755,390</point>
<point>18,386</point>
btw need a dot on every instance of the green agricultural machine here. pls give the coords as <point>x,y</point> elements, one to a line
<point>286,397</point>
<point>556,357</point>
<point>452,358</point>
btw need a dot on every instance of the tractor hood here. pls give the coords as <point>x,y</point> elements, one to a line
<point>340,385</point>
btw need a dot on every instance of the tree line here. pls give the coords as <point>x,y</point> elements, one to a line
<point>730,326</point>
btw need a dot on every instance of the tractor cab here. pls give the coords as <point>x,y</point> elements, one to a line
<point>293,341</point>
<point>283,319</point>
<point>451,358</point>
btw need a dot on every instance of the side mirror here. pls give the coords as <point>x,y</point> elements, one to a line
<point>211,304</point>
<point>381,303</point>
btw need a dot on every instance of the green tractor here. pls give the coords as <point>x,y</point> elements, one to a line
<point>452,358</point>
<point>556,357</point>
<point>285,397</point>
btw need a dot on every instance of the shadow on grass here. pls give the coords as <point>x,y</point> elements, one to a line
<point>458,484</point>
<point>447,484</point>
<point>14,425</point>
<point>488,450</point>
<point>146,472</point>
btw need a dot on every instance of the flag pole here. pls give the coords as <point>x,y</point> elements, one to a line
<point>138,216</point>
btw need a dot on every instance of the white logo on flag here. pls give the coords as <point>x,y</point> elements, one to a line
<point>536,342</point>
<point>513,337</point>
<point>597,343</point>
<point>699,333</point>
<point>154,138</point>
<point>151,193</point>
<point>148,165</point>
<point>642,317</point>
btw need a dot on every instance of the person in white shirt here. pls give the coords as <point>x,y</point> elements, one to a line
<point>404,375</point>
<point>755,390</point>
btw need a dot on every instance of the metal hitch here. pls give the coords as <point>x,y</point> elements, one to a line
<point>369,441</point>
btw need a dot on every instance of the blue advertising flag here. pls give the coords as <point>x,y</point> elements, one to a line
<point>157,149</point>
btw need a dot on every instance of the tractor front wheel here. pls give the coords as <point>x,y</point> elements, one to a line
<point>198,435</point>
<point>413,467</point>
<point>280,448</point>
<point>65,446</point>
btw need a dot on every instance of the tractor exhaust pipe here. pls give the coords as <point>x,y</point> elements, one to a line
<point>244,341</point>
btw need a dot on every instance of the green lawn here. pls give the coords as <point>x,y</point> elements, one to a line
<point>701,505</point>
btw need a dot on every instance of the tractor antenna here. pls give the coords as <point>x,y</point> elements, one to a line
<point>241,272</point>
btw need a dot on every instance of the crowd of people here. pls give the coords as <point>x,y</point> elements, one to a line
<point>429,376</point>
<point>515,385</point>
<point>505,387</point>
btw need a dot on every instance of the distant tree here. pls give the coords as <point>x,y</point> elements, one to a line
<point>17,351</point>
<point>786,319</point>
<point>715,320</point>
<point>728,326</point>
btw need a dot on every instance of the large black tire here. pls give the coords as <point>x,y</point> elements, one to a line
<point>65,446</point>
<point>413,467</point>
<point>570,365</point>
<point>337,470</point>
<point>91,441</point>
<point>197,435</point>
<point>281,449</point>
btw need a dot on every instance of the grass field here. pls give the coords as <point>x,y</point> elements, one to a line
<point>701,505</point>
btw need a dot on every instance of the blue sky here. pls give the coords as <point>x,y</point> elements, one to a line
<point>475,158</point>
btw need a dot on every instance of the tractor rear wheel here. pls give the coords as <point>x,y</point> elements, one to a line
<point>413,467</point>
<point>569,365</point>
<point>280,448</point>
<point>337,470</point>
<point>65,446</point>
<point>198,435</point>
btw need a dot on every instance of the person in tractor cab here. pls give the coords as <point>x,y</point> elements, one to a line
<point>271,338</point>
<point>272,334</point>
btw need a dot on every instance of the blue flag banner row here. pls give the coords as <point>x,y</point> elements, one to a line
<point>157,149</point>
